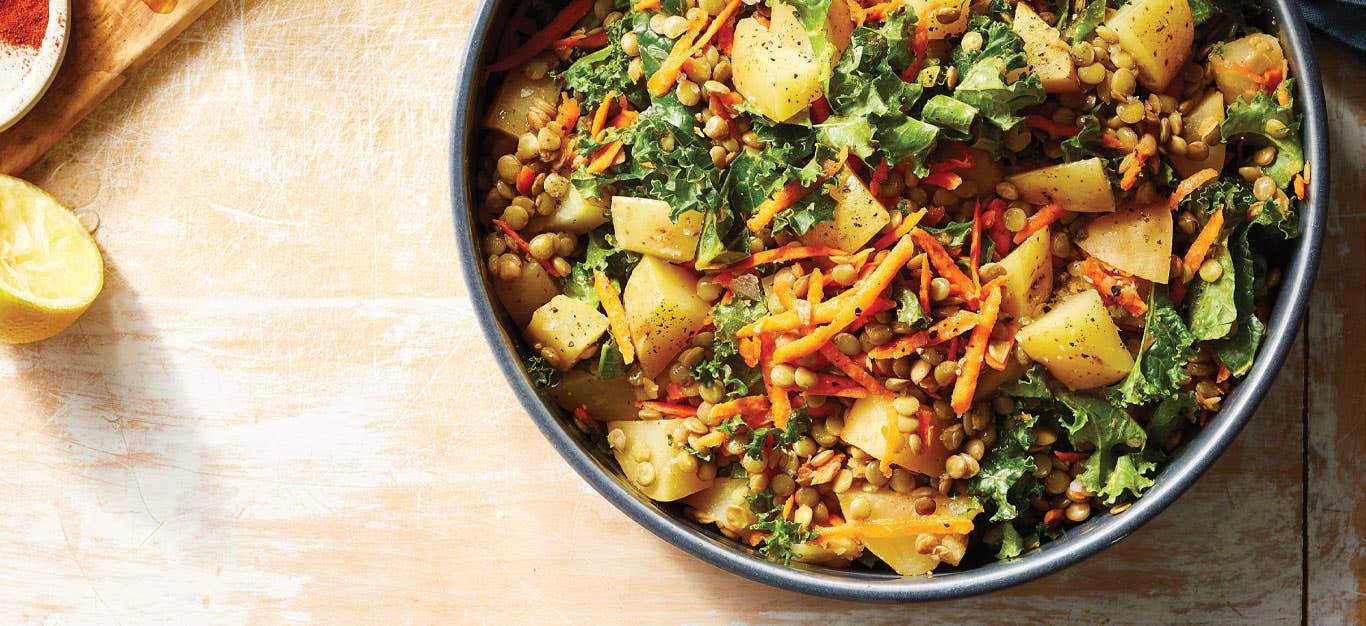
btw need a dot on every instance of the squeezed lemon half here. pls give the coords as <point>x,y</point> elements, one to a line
<point>50,268</point>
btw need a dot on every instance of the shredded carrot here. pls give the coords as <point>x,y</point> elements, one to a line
<point>815,287</point>
<point>770,208</point>
<point>595,40</point>
<point>944,265</point>
<point>882,9</point>
<point>920,42</point>
<point>565,20</point>
<point>778,399</point>
<point>1040,220</point>
<point>947,328</point>
<point>664,78</point>
<point>1300,186</point>
<point>1109,140</point>
<point>605,157</point>
<point>856,12</point>
<point>717,22</point>
<point>1115,287</point>
<point>853,370</point>
<point>783,254</point>
<point>907,223</point>
<point>925,276</point>
<point>966,385</point>
<point>1051,127</point>
<point>569,111</point>
<point>750,350</point>
<point>1195,255</point>
<point>782,287</point>
<point>1283,96</point>
<point>1223,372</point>
<point>747,405</point>
<point>898,527</point>
<point>1135,168</point>
<point>616,315</point>
<point>525,178</point>
<point>865,292</point>
<point>669,408</point>
<point>674,392</point>
<point>645,5</point>
<point>524,247</point>
<point>600,116</point>
<point>840,386</point>
<point>1189,185</point>
<point>878,306</point>
<point>1053,517</point>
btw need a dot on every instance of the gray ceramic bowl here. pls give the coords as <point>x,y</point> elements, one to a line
<point>1079,543</point>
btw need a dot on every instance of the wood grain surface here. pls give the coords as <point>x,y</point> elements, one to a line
<point>109,39</point>
<point>281,410</point>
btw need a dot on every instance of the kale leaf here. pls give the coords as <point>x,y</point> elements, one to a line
<point>908,309</point>
<point>1212,309</point>
<point>1159,369</point>
<point>1248,121</point>
<point>541,372</point>
<point>982,83</point>
<point>1237,350</point>
<point>725,364</point>
<point>602,254</point>
<point>1005,477</point>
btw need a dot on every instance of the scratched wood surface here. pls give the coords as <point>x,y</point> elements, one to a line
<point>109,40</point>
<point>277,411</point>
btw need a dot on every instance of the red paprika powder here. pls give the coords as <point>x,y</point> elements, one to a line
<point>23,23</point>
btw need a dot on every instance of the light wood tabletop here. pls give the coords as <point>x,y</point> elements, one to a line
<point>281,409</point>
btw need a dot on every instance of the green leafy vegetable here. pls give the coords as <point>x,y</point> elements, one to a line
<point>1005,477</point>
<point>908,309</point>
<point>1086,143</point>
<point>542,373</point>
<point>610,362</point>
<point>983,75</point>
<point>602,254</point>
<point>768,437</point>
<point>1079,27</point>
<point>1249,121</point>
<point>725,364</point>
<point>1238,350</point>
<point>782,535</point>
<point>951,235</point>
<point>1097,425</point>
<point>593,75</point>
<point>1159,369</point>
<point>954,116</point>
<point>1212,310</point>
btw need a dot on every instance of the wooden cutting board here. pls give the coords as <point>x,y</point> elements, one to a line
<point>110,39</point>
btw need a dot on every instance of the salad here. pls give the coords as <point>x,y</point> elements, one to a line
<point>890,285</point>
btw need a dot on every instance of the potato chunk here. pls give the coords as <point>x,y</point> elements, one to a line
<point>651,464</point>
<point>1158,33</point>
<point>1054,65</point>
<point>575,213</point>
<point>858,216</point>
<point>508,111</point>
<point>1078,342</point>
<point>1078,186</point>
<point>1135,239</point>
<point>1237,62</point>
<point>775,67</point>
<point>900,552</point>
<point>524,294</point>
<point>723,503</point>
<point>566,327</point>
<point>643,225</point>
<point>663,311</point>
<point>604,400</point>
<point>1202,124</point>
<point>1029,276</point>
<point>864,427</point>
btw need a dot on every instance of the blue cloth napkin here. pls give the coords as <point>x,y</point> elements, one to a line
<point>1343,20</point>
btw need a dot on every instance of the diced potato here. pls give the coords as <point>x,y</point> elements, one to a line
<point>524,294</point>
<point>775,68</point>
<point>651,464</point>
<point>863,427</point>
<point>643,225</point>
<point>604,400</point>
<point>1135,239</point>
<point>1158,33</point>
<point>566,327</point>
<point>714,505</point>
<point>936,29</point>
<point>1029,276</point>
<point>1202,124</point>
<point>1078,186</point>
<point>575,214</point>
<point>1078,342</point>
<point>900,552</point>
<point>1054,65</point>
<point>663,311</point>
<point>858,216</point>
<point>508,111</point>
<point>1236,62</point>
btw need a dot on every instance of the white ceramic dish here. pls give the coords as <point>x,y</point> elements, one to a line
<point>25,74</point>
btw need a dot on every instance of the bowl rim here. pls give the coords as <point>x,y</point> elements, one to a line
<point>1084,541</point>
